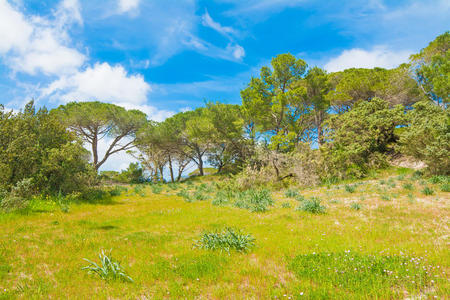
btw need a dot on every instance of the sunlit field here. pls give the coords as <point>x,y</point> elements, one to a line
<point>386,237</point>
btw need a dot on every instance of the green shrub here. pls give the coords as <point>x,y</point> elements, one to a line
<point>108,269</point>
<point>226,240</point>
<point>312,205</point>
<point>427,191</point>
<point>427,137</point>
<point>291,193</point>
<point>350,188</point>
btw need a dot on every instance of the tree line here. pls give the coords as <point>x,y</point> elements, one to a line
<point>294,121</point>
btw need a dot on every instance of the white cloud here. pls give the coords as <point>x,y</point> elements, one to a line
<point>152,112</point>
<point>359,58</point>
<point>127,5</point>
<point>209,22</point>
<point>172,27</point>
<point>100,82</point>
<point>237,51</point>
<point>35,44</point>
<point>15,31</point>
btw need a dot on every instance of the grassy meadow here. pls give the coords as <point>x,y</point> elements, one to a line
<point>386,237</point>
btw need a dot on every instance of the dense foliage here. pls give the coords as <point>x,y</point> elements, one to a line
<point>39,155</point>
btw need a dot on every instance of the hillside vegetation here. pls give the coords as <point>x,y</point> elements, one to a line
<point>380,238</point>
<point>318,185</point>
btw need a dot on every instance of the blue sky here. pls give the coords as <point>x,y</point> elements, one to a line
<point>165,56</point>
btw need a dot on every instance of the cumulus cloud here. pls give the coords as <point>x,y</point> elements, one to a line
<point>35,44</point>
<point>359,58</point>
<point>127,5</point>
<point>100,82</point>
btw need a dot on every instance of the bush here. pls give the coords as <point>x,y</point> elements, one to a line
<point>19,196</point>
<point>228,239</point>
<point>427,137</point>
<point>312,205</point>
<point>108,269</point>
<point>358,140</point>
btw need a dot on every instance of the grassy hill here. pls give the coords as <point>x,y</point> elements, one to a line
<point>386,237</point>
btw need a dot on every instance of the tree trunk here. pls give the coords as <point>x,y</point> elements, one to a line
<point>161,173</point>
<point>171,169</point>
<point>200,165</point>
<point>94,152</point>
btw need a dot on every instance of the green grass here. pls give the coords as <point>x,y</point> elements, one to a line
<point>297,254</point>
<point>375,276</point>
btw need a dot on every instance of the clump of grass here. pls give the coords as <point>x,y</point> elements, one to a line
<point>439,179</point>
<point>312,205</point>
<point>375,276</point>
<point>254,200</point>
<point>173,186</point>
<point>401,177</point>
<point>408,186</point>
<point>428,191</point>
<point>156,189</point>
<point>411,198</point>
<point>417,175</point>
<point>117,190</point>
<point>382,182</point>
<point>385,197</point>
<point>355,206</point>
<point>226,240</point>
<point>291,193</point>
<point>445,187</point>
<point>350,188</point>
<point>108,269</point>
<point>300,198</point>
<point>285,205</point>
<point>199,196</point>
